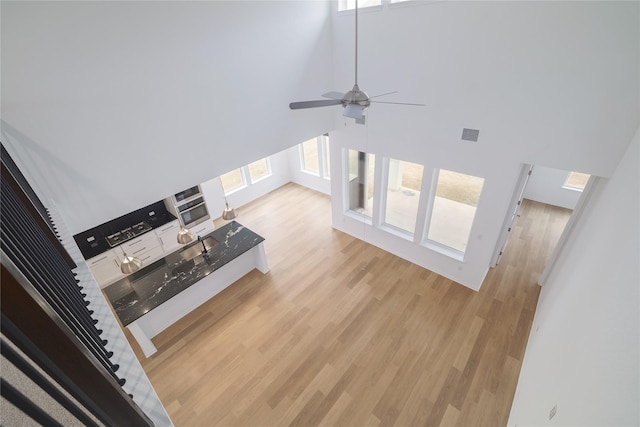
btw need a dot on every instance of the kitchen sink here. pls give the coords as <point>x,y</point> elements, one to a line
<point>197,249</point>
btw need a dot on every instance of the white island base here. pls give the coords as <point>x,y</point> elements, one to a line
<point>169,312</point>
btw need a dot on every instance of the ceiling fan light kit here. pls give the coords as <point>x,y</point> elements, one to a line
<point>354,102</point>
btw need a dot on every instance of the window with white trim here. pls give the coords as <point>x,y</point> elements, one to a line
<point>453,209</point>
<point>576,181</point>
<point>404,184</point>
<point>241,178</point>
<point>233,181</point>
<point>259,170</point>
<point>314,156</point>
<point>361,167</point>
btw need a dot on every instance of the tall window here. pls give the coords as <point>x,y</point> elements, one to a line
<point>233,181</point>
<point>310,162</point>
<point>314,156</point>
<point>576,181</point>
<point>361,175</point>
<point>454,207</point>
<point>403,194</point>
<point>259,170</point>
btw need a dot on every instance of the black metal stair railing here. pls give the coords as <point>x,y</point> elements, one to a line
<point>35,257</point>
<point>49,315</point>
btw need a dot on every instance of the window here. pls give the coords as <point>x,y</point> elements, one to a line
<point>576,181</point>
<point>233,181</point>
<point>259,170</point>
<point>360,185</point>
<point>314,156</point>
<point>237,178</point>
<point>454,208</point>
<point>403,194</point>
<point>351,4</point>
<point>310,162</point>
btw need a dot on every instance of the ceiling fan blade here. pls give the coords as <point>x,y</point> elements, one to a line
<point>333,95</point>
<point>354,111</point>
<point>383,94</point>
<point>398,103</point>
<point>314,104</point>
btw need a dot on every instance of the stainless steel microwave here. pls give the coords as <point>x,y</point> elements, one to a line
<point>187,195</point>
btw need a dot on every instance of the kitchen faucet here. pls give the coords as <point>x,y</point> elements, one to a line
<point>204,248</point>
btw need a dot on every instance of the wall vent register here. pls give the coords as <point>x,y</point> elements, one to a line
<point>470,135</point>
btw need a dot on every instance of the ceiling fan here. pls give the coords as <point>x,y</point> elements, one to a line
<point>355,101</point>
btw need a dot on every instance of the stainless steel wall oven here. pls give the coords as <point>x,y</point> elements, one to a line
<point>193,212</point>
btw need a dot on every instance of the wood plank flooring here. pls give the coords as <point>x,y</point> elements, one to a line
<point>341,333</point>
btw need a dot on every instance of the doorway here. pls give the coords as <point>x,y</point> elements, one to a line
<point>554,199</point>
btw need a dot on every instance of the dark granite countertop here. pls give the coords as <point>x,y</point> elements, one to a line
<point>93,242</point>
<point>144,290</point>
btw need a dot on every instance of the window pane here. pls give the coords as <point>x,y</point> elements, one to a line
<point>259,169</point>
<point>310,156</point>
<point>361,175</point>
<point>232,180</point>
<point>454,208</point>
<point>403,194</point>
<point>577,180</point>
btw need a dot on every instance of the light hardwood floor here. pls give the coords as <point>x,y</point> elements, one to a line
<point>343,333</point>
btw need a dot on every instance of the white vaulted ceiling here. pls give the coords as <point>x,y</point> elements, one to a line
<point>96,95</point>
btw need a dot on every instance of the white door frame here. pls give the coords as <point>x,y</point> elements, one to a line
<point>514,207</point>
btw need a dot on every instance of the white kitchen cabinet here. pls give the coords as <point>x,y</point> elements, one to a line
<point>139,244</point>
<point>148,248</point>
<point>150,255</point>
<point>203,228</point>
<point>106,267</point>
<point>168,236</point>
<point>145,247</point>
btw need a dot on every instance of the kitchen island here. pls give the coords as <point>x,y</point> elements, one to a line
<point>153,298</point>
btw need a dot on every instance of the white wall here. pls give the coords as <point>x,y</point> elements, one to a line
<point>496,194</point>
<point>583,353</point>
<point>100,99</point>
<point>546,185</point>
<point>548,83</point>
<point>552,83</point>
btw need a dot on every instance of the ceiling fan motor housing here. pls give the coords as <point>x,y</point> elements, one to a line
<point>356,96</point>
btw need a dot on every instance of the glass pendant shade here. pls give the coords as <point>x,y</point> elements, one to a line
<point>184,235</point>
<point>130,264</point>
<point>228,213</point>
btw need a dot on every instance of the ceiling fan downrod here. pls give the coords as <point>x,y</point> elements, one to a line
<point>356,67</point>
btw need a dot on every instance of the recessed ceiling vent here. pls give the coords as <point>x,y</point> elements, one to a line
<point>470,135</point>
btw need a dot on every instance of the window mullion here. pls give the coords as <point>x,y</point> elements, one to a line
<point>376,213</point>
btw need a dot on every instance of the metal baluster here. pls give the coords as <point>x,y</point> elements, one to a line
<point>78,319</point>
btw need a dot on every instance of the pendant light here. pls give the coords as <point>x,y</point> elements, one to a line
<point>130,264</point>
<point>184,235</point>
<point>228,213</point>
